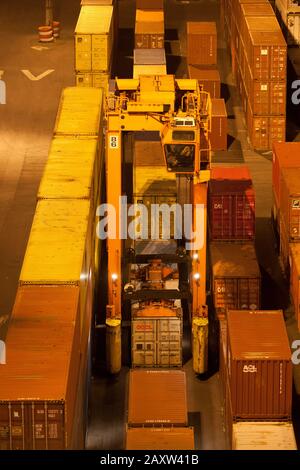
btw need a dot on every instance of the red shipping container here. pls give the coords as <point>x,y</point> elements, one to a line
<point>231,204</point>
<point>259,365</point>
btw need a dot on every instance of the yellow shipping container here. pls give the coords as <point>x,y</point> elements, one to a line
<point>153,180</point>
<point>149,16</point>
<point>92,79</point>
<point>94,38</point>
<point>60,251</point>
<point>80,112</point>
<point>149,70</point>
<point>57,243</point>
<point>72,170</point>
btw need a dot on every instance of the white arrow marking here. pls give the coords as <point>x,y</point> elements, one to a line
<point>32,77</point>
<point>39,48</point>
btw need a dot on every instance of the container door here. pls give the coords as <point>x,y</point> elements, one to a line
<point>100,59</point>
<point>83,52</point>
<point>84,79</point>
<point>143,343</point>
<point>83,61</point>
<point>221,218</point>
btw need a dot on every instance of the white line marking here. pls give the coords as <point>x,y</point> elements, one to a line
<point>34,78</point>
<point>39,48</point>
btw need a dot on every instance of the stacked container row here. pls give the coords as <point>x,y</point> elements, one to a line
<point>259,62</point>
<point>202,66</point>
<point>44,385</point>
<point>235,274</point>
<point>286,212</point>
<point>95,36</point>
<point>256,378</point>
<point>149,56</point>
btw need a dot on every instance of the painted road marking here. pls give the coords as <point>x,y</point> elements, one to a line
<point>39,48</point>
<point>34,78</point>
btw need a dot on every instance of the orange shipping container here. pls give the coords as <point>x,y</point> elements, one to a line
<point>38,384</point>
<point>264,131</point>
<point>218,135</point>
<point>201,43</point>
<point>208,77</point>
<point>160,439</point>
<point>285,155</point>
<point>295,279</point>
<point>259,365</point>
<point>290,202</point>
<point>157,398</point>
<point>149,35</point>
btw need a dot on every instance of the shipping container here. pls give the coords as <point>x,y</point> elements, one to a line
<point>139,70</point>
<point>201,43</point>
<point>253,9</point>
<point>209,78</point>
<point>150,4</point>
<point>93,79</point>
<point>284,248</point>
<point>290,202</point>
<point>157,398</point>
<point>72,170</point>
<point>156,337</point>
<point>149,57</point>
<point>96,2</point>
<point>290,6</point>
<point>160,439</point>
<point>285,155</point>
<point>60,251</point>
<point>223,357</point>
<point>39,382</point>
<point>149,16</point>
<point>292,23</point>
<point>267,54</point>
<point>295,279</point>
<point>235,277</point>
<point>263,436</point>
<point>259,365</point>
<point>218,135</point>
<point>264,131</point>
<point>231,204</point>
<point>94,38</point>
<point>80,112</point>
<point>149,36</point>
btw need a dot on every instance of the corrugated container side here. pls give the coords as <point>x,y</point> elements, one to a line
<point>201,43</point>
<point>37,398</point>
<point>259,366</point>
<point>236,279</point>
<point>157,398</point>
<point>218,135</point>
<point>209,78</point>
<point>295,279</point>
<point>231,210</point>
<point>285,155</point>
<point>290,202</point>
<point>160,439</point>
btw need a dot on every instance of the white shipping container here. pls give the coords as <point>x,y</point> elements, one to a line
<point>263,436</point>
<point>157,341</point>
<point>290,23</point>
<point>289,6</point>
